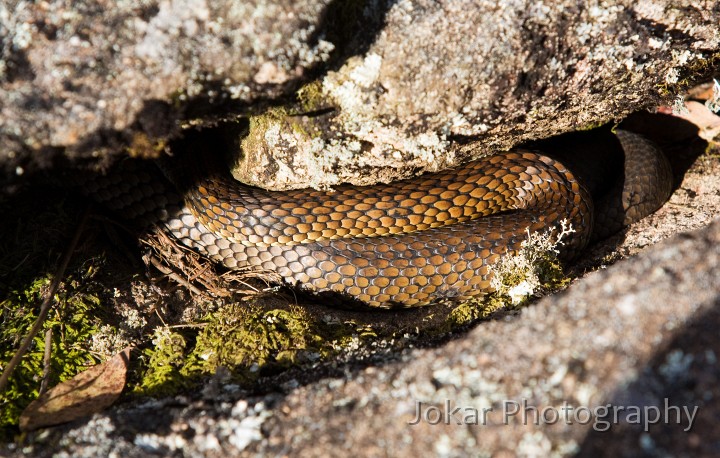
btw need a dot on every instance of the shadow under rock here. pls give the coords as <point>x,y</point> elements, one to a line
<point>679,383</point>
<point>596,156</point>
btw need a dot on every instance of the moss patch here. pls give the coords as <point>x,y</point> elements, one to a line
<point>248,340</point>
<point>518,277</point>
<point>251,340</point>
<point>73,321</point>
<point>280,120</point>
<point>310,96</point>
<point>689,75</point>
<point>289,117</point>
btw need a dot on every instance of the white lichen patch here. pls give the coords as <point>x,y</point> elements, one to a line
<point>174,18</point>
<point>519,275</point>
<point>680,59</point>
<point>355,90</point>
<point>349,87</point>
<point>366,75</point>
<point>713,103</point>
<point>672,76</point>
<point>678,107</point>
<point>110,340</point>
<point>107,342</point>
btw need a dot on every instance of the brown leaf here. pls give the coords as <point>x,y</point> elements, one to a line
<point>707,121</point>
<point>88,392</point>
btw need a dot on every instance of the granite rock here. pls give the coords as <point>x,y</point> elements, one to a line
<point>387,88</point>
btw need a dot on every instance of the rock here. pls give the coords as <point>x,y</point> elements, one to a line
<point>88,80</point>
<point>426,91</point>
<point>639,335</point>
<point>491,74</point>
<point>387,88</point>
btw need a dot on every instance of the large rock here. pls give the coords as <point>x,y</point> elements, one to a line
<point>86,80</point>
<point>639,335</point>
<point>491,73</point>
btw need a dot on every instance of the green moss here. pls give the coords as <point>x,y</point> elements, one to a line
<point>288,118</point>
<point>695,71</point>
<point>258,126</point>
<point>73,320</point>
<point>285,119</point>
<point>299,129</point>
<point>552,275</point>
<point>31,243</point>
<point>260,123</point>
<point>247,340</point>
<point>164,361</point>
<point>472,310</point>
<point>533,270</point>
<point>310,96</point>
<point>590,126</point>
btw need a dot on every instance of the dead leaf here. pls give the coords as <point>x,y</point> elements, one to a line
<point>87,393</point>
<point>707,121</point>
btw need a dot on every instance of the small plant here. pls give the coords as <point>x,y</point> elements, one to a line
<point>713,103</point>
<point>516,277</point>
<point>520,275</point>
<point>246,340</point>
<point>73,323</point>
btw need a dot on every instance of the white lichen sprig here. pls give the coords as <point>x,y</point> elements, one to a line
<point>521,274</point>
<point>713,103</point>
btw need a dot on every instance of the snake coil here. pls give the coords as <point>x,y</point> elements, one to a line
<point>402,244</point>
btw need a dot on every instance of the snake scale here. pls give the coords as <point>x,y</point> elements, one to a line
<point>407,243</point>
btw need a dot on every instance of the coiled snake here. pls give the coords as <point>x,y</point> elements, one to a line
<point>407,243</point>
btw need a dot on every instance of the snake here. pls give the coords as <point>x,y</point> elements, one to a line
<point>408,243</point>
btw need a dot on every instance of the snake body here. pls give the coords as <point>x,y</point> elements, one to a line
<point>407,243</point>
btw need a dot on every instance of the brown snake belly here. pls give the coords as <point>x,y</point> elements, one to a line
<point>407,243</point>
